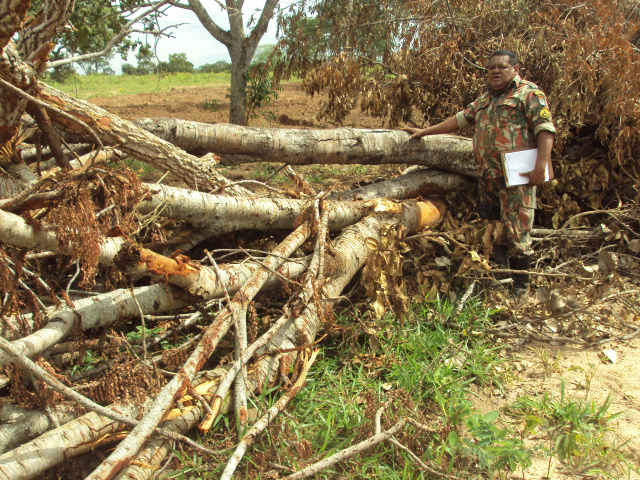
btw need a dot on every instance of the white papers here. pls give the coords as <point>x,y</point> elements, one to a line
<point>522,161</point>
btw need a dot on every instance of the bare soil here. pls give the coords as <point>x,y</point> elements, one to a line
<point>540,367</point>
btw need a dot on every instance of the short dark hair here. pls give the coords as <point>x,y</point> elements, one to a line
<point>513,60</point>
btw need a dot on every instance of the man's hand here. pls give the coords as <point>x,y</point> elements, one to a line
<point>536,176</point>
<point>449,125</point>
<point>415,132</point>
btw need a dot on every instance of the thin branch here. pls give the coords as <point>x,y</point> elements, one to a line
<point>348,452</point>
<point>126,30</point>
<point>261,424</point>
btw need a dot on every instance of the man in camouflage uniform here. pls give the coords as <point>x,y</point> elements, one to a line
<point>512,114</point>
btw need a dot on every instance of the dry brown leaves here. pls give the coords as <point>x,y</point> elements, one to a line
<point>382,272</point>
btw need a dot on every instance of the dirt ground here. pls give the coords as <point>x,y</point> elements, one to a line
<point>540,367</point>
<point>292,108</point>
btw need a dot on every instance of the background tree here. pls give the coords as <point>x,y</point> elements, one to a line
<point>240,45</point>
<point>97,65</point>
<point>219,66</point>
<point>177,63</point>
<point>146,60</point>
<point>98,28</point>
<point>333,44</point>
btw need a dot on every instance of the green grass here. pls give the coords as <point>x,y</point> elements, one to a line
<point>89,86</point>
<point>579,431</point>
<point>425,369</point>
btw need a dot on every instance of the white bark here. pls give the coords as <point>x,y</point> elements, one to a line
<point>132,140</point>
<point>99,311</point>
<point>237,144</point>
<point>18,177</point>
<point>223,214</point>
<point>420,183</point>
<point>108,308</point>
<point>32,459</point>
<point>202,283</point>
<point>14,230</point>
<point>128,448</point>
<point>19,425</point>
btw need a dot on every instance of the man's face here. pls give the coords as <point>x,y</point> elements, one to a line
<point>501,72</point>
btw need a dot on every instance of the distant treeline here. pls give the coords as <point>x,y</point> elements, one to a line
<point>177,63</point>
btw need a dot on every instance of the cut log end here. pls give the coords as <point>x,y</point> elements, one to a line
<point>428,213</point>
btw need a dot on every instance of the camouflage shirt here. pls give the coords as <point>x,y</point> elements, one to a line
<point>508,120</point>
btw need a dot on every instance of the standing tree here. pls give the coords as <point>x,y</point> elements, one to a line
<point>241,47</point>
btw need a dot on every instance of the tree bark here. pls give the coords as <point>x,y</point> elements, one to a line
<point>17,178</point>
<point>12,14</point>
<point>238,88</point>
<point>129,447</point>
<point>20,425</point>
<point>32,459</point>
<point>223,214</point>
<point>237,144</point>
<point>420,183</point>
<point>44,27</point>
<point>14,71</point>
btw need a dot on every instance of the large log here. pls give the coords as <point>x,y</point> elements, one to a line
<point>235,144</point>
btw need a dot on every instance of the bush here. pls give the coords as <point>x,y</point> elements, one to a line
<point>218,67</point>
<point>128,69</point>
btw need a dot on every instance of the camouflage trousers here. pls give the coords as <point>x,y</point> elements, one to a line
<point>514,206</point>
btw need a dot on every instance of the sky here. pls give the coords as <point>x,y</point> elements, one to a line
<point>192,38</point>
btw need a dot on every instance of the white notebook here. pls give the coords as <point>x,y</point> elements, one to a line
<point>521,161</point>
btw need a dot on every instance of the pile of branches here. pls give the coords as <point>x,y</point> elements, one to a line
<point>86,248</point>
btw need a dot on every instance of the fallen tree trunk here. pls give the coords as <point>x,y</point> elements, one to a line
<point>420,183</point>
<point>128,448</point>
<point>350,251</point>
<point>109,308</point>
<point>14,230</point>
<point>19,425</point>
<point>32,459</point>
<point>12,70</point>
<point>223,214</point>
<point>236,144</point>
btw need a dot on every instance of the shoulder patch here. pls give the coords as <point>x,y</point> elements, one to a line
<point>545,113</point>
<point>541,98</point>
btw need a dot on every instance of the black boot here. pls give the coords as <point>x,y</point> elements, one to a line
<point>520,280</point>
<point>502,261</point>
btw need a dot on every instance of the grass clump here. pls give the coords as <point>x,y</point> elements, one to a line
<point>579,431</point>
